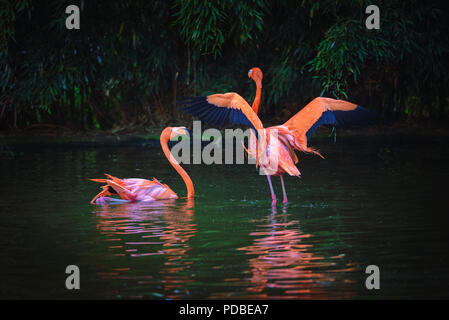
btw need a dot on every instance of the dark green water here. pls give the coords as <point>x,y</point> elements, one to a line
<point>371,201</point>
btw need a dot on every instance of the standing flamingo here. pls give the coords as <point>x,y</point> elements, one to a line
<point>362,117</point>
<point>286,157</point>
<point>131,190</point>
<point>230,108</point>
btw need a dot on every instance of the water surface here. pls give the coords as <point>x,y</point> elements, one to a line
<point>372,200</point>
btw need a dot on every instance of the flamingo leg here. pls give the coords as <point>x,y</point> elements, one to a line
<point>283,189</point>
<point>273,196</point>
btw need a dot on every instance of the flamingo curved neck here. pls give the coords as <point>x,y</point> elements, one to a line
<point>165,137</point>
<point>256,101</point>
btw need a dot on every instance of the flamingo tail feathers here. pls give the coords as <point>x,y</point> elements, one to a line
<point>313,151</point>
<point>99,180</point>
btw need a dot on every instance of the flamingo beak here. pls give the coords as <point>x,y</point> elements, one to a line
<point>183,131</point>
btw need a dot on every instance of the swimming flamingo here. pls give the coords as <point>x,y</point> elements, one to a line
<point>230,108</point>
<point>131,190</point>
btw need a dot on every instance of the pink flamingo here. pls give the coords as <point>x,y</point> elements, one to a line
<point>134,189</point>
<point>230,108</point>
<point>295,132</point>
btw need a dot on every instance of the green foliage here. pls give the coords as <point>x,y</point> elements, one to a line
<point>206,25</point>
<point>344,50</point>
<point>130,60</point>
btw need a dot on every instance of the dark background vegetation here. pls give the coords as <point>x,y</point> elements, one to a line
<point>131,60</point>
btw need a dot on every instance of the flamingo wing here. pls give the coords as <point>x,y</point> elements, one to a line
<point>123,192</point>
<point>322,111</point>
<point>114,186</point>
<point>149,190</point>
<point>221,109</point>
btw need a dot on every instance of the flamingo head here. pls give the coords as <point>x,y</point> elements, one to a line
<point>179,131</point>
<point>256,74</point>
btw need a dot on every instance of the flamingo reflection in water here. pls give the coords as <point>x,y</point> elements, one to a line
<point>283,263</point>
<point>139,230</point>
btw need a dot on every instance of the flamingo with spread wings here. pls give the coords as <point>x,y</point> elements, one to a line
<point>285,158</point>
<point>134,189</point>
<point>230,108</point>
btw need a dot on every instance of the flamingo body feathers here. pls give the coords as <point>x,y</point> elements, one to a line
<point>135,189</point>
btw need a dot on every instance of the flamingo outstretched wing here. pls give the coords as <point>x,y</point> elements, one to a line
<point>227,108</point>
<point>221,109</point>
<point>322,111</point>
